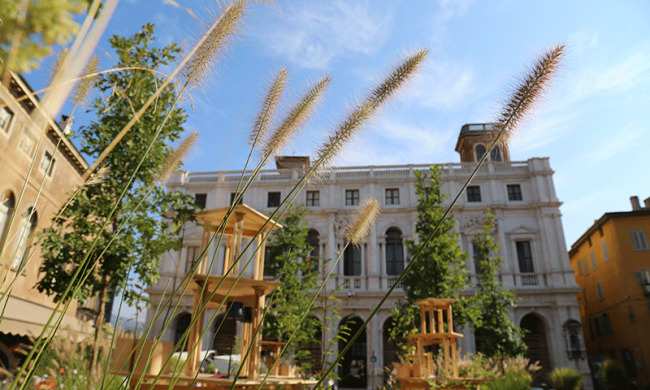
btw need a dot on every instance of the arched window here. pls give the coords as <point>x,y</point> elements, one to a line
<point>27,227</point>
<point>7,205</point>
<point>313,239</point>
<point>573,339</point>
<point>352,261</point>
<point>181,324</point>
<point>480,151</point>
<point>394,252</point>
<point>495,155</point>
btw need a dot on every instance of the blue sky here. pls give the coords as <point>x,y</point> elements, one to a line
<point>593,124</point>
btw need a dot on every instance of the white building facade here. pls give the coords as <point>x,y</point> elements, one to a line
<point>529,232</point>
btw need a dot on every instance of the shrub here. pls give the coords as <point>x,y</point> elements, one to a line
<point>512,380</point>
<point>615,377</point>
<point>567,379</point>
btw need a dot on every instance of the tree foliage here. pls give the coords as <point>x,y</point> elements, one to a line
<point>501,337</point>
<point>290,262</point>
<point>133,221</point>
<point>35,27</point>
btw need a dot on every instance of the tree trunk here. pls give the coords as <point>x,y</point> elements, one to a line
<point>99,322</point>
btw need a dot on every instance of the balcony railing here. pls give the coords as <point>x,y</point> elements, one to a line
<point>355,173</point>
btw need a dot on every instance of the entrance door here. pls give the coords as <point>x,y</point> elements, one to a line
<point>353,367</point>
<point>535,339</point>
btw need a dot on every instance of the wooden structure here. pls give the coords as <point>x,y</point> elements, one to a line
<point>217,290</point>
<point>437,329</point>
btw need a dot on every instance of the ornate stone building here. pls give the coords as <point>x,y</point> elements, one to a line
<point>529,233</point>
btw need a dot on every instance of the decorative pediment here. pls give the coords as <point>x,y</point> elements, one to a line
<point>523,230</point>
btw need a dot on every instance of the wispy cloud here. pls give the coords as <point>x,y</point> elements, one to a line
<point>618,142</point>
<point>314,36</point>
<point>445,86</point>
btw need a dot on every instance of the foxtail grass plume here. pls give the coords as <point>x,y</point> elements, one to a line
<point>56,65</point>
<point>364,111</point>
<point>269,104</point>
<point>528,92</point>
<point>81,92</point>
<point>98,177</point>
<point>296,117</point>
<point>176,157</point>
<point>362,220</point>
<point>215,41</point>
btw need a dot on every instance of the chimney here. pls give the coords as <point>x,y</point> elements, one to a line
<point>646,201</point>
<point>635,203</point>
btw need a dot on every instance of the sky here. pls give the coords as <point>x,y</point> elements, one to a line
<point>592,123</point>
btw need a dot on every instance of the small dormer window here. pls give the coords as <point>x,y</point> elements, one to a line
<point>480,152</point>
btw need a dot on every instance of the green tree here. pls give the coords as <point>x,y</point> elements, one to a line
<point>99,212</point>
<point>29,30</point>
<point>290,261</point>
<point>441,269</point>
<point>500,336</point>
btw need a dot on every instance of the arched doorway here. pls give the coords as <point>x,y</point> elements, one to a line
<point>391,349</point>
<point>353,367</point>
<point>225,331</point>
<point>535,339</point>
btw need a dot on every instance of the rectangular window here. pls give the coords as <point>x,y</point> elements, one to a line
<point>47,164</point>
<point>525,257</point>
<point>392,195</point>
<point>273,199</point>
<point>579,267</point>
<point>200,200</point>
<point>605,251</point>
<point>584,264</point>
<point>597,326</point>
<point>514,192</point>
<point>351,197</point>
<point>607,324</point>
<point>584,295</point>
<point>473,194</point>
<point>631,315</point>
<point>313,198</point>
<point>232,198</point>
<point>593,260</point>
<point>591,329</point>
<point>639,240</point>
<point>27,144</point>
<point>600,291</point>
<point>191,257</point>
<point>5,118</point>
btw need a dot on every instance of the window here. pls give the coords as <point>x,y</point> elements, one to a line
<point>584,295</point>
<point>525,257</point>
<point>313,198</point>
<point>593,260</point>
<point>584,264</point>
<point>268,260</point>
<point>273,199</point>
<point>191,256</point>
<point>591,330</point>
<point>639,240</point>
<point>607,324</point>
<point>394,252</point>
<point>392,195</point>
<point>473,194</point>
<point>47,164</point>
<point>201,200</point>
<point>5,118</point>
<point>605,251</point>
<point>579,267</point>
<point>597,327</point>
<point>27,144</point>
<point>600,291</point>
<point>313,240</point>
<point>480,152</point>
<point>351,197</point>
<point>514,192</point>
<point>232,198</point>
<point>7,205</point>
<point>628,362</point>
<point>631,315</point>
<point>352,261</point>
<point>27,226</point>
<point>495,154</point>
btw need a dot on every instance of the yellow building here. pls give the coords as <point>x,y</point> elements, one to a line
<point>611,262</point>
<point>31,165</point>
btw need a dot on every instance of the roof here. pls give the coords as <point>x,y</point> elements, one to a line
<point>601,221</point>
<point>436,302</point>
<point>232,289</point>
<point>288,162</point>
<point>254,221</point>
<point>474,129</point>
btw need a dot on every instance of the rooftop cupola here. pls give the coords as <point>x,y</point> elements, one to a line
<point>474,140</point>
